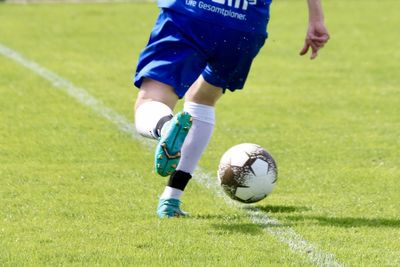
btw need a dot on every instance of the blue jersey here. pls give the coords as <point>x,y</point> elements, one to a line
<point>243,15</point>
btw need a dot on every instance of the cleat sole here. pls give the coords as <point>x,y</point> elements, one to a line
<point>168,151</point>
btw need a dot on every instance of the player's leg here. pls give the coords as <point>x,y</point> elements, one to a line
<point>224,70</point>
<point>154,119</point>
<point>200,103</point>
<point>153,108</point>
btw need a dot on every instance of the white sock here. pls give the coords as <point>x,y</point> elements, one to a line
<point>148,115</point>
<point>198,137</point>
<point>170,192</point>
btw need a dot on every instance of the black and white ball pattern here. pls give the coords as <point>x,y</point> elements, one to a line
<point>247,173</point>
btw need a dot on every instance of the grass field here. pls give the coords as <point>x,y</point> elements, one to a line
<point>75,190</point>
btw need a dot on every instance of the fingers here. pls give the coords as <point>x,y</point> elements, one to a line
<point>305,48</point>
<point>314,48</point>
<point>316,38</point>
<point>319,44</point>
<point>314,51</point>
<point>320,39</point>
<point>316,43</point>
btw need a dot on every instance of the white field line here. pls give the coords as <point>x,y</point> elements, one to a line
<point>284,234</point>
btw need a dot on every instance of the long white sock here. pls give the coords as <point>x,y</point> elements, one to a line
<point>198,137</point>
<point>148,115</point>
<point>196,141</point>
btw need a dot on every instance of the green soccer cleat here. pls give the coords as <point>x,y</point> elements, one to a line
<point>168,208</point>
<point>168,150</point>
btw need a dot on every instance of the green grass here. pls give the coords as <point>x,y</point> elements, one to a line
<point>76,191</point>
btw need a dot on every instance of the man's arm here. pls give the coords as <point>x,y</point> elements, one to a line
<point>317,34</point>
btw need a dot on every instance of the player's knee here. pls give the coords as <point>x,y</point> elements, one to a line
<point>152,90</point>
<point>148,116</point>
<point>204,93</point>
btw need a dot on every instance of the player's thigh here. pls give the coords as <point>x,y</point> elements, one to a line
<point>152,90</point>
<point>172,56</point>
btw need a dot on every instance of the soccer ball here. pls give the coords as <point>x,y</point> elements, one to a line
<point>247,173</point>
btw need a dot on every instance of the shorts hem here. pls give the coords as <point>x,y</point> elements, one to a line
<point>211,80</point>
<point>138,80</point>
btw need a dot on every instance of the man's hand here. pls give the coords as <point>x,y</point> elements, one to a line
<point>316,38</point>
<point>317,34</point>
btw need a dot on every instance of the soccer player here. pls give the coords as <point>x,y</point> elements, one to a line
<point>197,50</point>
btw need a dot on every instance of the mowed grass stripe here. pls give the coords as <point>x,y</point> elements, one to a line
<point>286,235</point>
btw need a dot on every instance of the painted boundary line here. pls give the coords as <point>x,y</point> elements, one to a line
<point>284,234</point>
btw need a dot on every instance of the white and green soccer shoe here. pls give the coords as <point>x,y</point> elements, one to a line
<point>168,150</point>
<point>170,207</point>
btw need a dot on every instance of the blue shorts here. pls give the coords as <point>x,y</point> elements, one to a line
<point>182,48</point>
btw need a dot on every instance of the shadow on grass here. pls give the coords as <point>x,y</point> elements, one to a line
<point>267,209</point>
<point>280,209</point>
<point>346,222</point>
<point>224,217</point>
<point>287,218</point>
<point>230,222</point>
